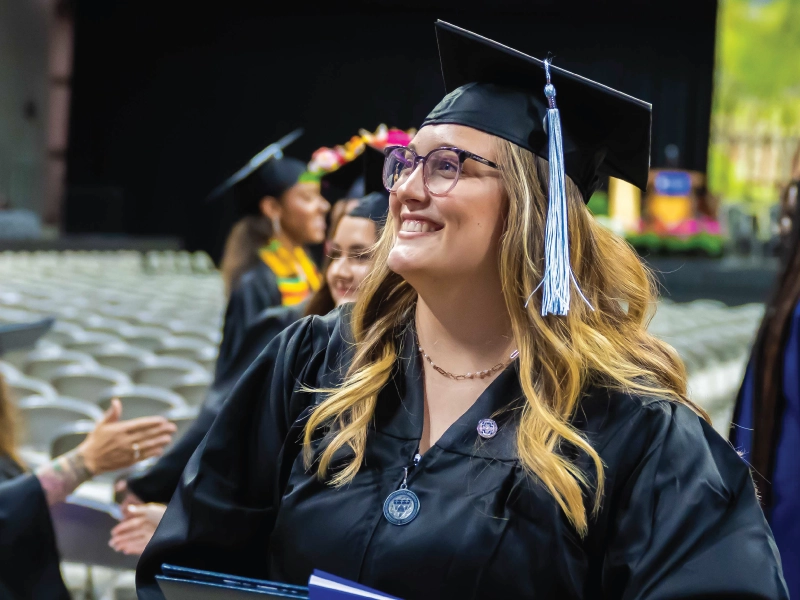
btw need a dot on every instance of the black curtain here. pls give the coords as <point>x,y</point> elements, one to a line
<point>170,98</point>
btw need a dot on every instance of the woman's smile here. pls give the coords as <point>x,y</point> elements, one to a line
<point>413,226</point>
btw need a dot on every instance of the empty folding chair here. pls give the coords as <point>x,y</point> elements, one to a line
<point>86,382</point>
<point>122,357</point>
<point>44,417</point>
<point>166,371</point>
<point>197,331</point>
<point>207,358</point>
<point>9,371</point>
<point>90,341</point>
<point>183,347</point>
<point>141,400</point>
<point>183,418</point>
<point>63,332</point>
<point>17,315</point>
<point>69,437</point>
<point>148,338</point>
<point>193,387</point>
<point>24,387</point>
<point>42,364</point>
<point>106,325</point>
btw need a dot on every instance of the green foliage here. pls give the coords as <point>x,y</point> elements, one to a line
<point>598,203</point>
<point>757,92</point>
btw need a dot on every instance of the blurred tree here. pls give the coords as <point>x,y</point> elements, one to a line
<point>756,109</point>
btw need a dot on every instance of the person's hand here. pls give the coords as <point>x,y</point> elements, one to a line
<point>115,444</point>
<point>133,534</point>
<point>123,496</point>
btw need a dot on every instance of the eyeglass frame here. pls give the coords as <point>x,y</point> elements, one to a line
<point>463,155</point>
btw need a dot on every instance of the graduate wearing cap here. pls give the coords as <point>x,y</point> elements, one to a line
<point>492,418</point>
<point>351,238</point>
<point>264,262</point>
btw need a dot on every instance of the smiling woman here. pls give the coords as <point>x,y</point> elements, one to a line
<point>465,431</point>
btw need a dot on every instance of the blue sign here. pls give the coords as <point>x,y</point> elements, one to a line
<point>673,183</point>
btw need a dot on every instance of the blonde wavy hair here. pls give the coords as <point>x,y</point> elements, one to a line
<point>559,357</point>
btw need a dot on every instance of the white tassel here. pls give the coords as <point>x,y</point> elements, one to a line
<point>558,276</point>
<point>557,273</point>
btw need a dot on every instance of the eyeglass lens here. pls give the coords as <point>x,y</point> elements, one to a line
<point>440,172</point>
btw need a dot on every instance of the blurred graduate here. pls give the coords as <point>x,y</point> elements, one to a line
<point>29,561</point>
<point>766,421</point>
<point>349,255</point>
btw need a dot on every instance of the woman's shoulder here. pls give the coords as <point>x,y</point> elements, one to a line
<point>314,345</point>
<point>629,429</point>
<point>603,409</point>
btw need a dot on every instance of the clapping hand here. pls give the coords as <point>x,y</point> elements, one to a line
<point>115,444</point>
<point>135,531</point>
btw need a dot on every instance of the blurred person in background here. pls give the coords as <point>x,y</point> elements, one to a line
<point>766,421</point>
<point>491,419</point>
<point>29,561</point>
<point>349,254</point>
<point>264,262</point>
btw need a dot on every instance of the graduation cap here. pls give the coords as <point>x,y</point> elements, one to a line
<point>374,206</point>
<point>374,203</point>
<point>588,131</point>
<point>20,336</point>
<point>268,173</point>
<point>345,182</point>
<point>356,179</point>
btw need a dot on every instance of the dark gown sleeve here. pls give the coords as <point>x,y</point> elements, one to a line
<point>232,482</point>
<point>29,562</point>
<point>256,291</point>
<point>685,520</point>
<point>9,469</point>
<point>158,483</point>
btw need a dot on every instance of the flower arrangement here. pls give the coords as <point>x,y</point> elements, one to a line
<point>327,160</point>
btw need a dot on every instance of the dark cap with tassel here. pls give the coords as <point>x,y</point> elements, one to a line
<point>592,130</point>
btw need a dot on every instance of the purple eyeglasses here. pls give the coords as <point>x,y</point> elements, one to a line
<point>441,167</point>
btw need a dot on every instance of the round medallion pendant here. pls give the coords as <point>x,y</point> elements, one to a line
<point>487,428</point>
<point>401,507</point>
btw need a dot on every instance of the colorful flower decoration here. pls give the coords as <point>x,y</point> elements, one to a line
<point>384,137</point>
<point>327,160</point>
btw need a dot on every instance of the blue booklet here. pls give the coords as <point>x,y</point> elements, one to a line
<point>181,583</point>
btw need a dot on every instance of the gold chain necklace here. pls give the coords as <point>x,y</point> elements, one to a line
<point>478,375</point>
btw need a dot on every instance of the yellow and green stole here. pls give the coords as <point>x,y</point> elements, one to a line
<point>293,288</point>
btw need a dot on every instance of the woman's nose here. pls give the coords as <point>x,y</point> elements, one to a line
<point>413,189</point>
<point>340,268</point>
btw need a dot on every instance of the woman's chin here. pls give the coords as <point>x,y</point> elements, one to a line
<point>405,263</point>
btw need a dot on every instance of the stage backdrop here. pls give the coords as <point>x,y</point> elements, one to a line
<point>172,97</point>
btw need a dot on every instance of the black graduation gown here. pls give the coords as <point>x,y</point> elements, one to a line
<point>256,290</point>
<point>29,562</point>
<point>680,518</point>
<point>158,483</point>
<point>9,469</point>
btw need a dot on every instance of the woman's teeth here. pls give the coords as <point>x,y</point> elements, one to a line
<point>417,226</point>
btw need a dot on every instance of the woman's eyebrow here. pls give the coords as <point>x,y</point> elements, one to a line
<point>411,146</point>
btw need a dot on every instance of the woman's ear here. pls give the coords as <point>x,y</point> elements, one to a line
<point>270,208</point>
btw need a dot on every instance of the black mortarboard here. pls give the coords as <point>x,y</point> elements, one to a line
<point>345,182</point>
<point>361,176</point>
<point>19,336</point>
<point>268,173</point>
<point>590,130</point>
<point>499,90</point>
<point>374,206</point>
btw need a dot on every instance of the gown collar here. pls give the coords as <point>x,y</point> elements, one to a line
<point>400,411</point>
